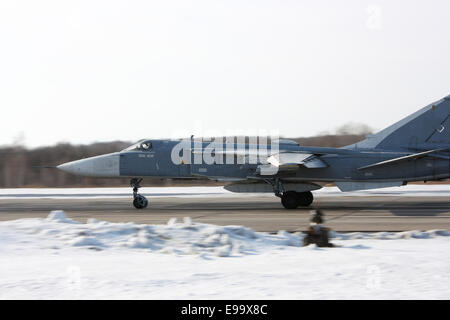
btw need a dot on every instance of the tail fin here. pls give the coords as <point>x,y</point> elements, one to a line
<point>428,128</point>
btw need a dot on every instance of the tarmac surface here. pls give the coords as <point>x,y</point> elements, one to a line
<point>261,213</point>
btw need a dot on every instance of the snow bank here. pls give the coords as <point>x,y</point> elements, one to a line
<point>58,258</point>
<point>59,216</point>
<point>180,238</point>
<point>414,234</point>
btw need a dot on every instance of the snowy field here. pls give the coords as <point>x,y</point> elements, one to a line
<point>77,193</point>
<point>60,258</point>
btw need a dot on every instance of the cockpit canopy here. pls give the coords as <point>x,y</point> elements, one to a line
<point>142,145</point>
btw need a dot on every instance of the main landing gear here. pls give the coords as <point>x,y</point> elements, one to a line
<point>139,202</point>
<point>291,199</point>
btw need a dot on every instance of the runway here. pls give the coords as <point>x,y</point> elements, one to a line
<point>261,213</point>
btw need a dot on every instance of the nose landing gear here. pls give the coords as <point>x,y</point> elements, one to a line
<point>139,202</point>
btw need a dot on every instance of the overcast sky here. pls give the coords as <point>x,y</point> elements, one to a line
<point>84,71</point>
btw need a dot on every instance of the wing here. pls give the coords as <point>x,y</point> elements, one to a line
<point>307,160</point>
<point>289,161</point>
<point>272,164</point>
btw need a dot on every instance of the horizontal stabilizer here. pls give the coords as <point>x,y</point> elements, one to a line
<point>410,157</point>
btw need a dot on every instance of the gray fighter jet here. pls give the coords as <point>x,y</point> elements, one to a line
<point>416,148</point>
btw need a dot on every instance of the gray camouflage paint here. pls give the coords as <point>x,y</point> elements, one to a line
<point>427,129</point>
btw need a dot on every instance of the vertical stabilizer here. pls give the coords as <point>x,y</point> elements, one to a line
<point>427,128</point>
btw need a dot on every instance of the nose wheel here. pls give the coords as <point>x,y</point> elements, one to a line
<point>139,201</point>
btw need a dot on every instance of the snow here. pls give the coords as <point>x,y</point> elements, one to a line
<point>57,257</point>
<point>404,191</point>
<point>81,193</point>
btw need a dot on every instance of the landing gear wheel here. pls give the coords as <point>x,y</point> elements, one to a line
<point>290,200</point>
<point>140,202</point>
<point>305,199</point>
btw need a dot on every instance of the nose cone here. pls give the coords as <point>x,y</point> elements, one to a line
<point>101,166</point>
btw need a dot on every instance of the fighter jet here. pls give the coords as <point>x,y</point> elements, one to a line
<point>416,148</point>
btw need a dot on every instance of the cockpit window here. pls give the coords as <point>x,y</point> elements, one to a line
<point>143,145</point>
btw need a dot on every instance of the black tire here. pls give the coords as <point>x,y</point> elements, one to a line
<point>290,200</point>
<point>305,199</point>
<point>140,202</point>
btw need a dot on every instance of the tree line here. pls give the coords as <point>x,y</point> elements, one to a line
<point>19,167</point>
